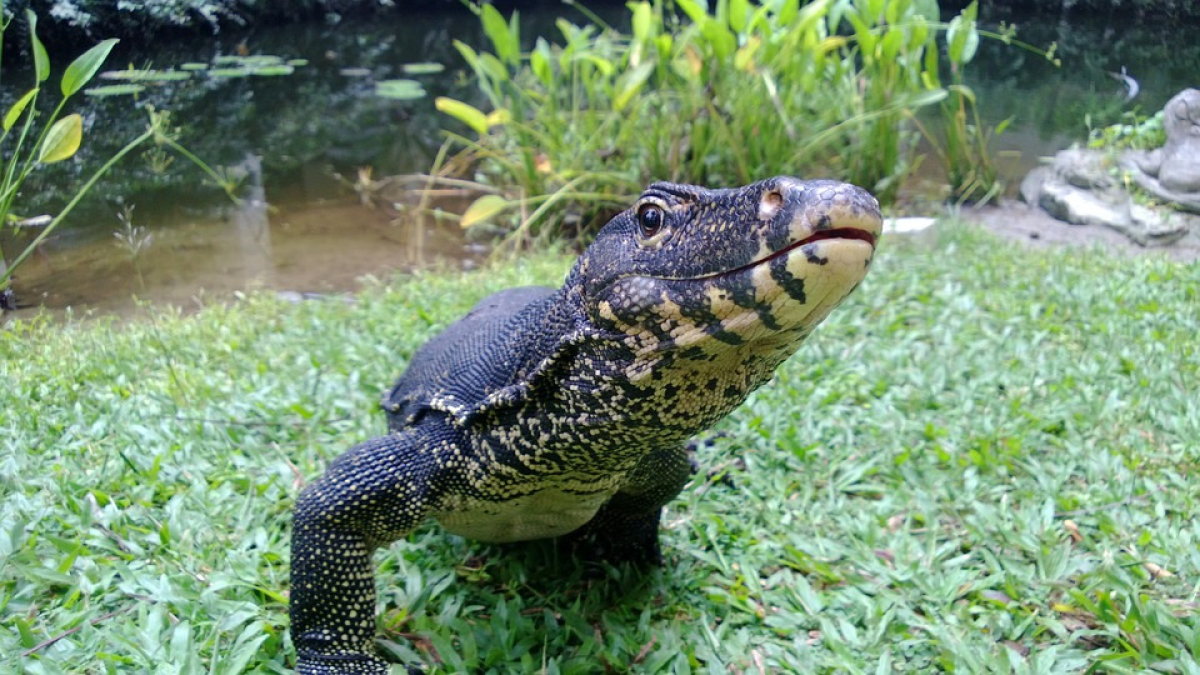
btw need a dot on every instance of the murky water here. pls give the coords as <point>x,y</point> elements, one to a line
<point>303,230</point>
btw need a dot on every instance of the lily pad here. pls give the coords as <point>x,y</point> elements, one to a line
<point>115,90</point>
<point>274,70</point>
<point>423,68</point>
<point>403,90</point>
<point>145,75</point>
<point>255,61</point>
<point>230,72</point>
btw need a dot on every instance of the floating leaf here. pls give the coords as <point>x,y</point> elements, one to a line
<point>14,113</point>
<point>140,75</point>
<point>62,140</point>
<point>463,112</point>
<point>84,68</point>
<point>276,70</point>
<point>297,63</point>
<point>115,90</point>
<point>355,72</point>
<point>484,208</point>
<point>229,72</point>
<point>194,66</point>
<point>255,61</point>
<point>423,68</point>
<point>402,90</point>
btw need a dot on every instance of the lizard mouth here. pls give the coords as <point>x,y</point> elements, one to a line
<point>835,233</point>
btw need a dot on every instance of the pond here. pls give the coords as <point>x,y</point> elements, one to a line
<point>300,140</point>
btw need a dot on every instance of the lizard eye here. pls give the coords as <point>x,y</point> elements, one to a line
<point>650,219</point>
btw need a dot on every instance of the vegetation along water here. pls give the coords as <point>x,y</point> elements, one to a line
<point>326,118</point>
<point>984,463</point>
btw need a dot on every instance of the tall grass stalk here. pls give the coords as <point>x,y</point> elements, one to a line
<point>721,94</point>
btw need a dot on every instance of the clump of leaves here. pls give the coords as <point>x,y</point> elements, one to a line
<point>1134,132</point>
<point>719,95</point>
<point>58,139</point>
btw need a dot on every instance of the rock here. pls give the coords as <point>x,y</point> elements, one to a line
<point>1084,169</point>
<point>1080,207</point>
<point>1083,187</point>
<point>1155,227</point>
<point>1031,185</point>
<point>907,225</point>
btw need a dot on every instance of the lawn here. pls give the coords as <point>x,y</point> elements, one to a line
<point>988,460</point>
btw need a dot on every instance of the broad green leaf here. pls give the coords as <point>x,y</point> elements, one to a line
<point>890,46</point>
<point>739,13</point>
<point>920,32</point>
<point>862,32</point>
<point>62,140</point>
<point>962,38</point>
<point>41,62</point>
<point>469,55</point>
<point>493,67</point>
<point>630,83</point>
<point>602,64</point>
<point>463,112</point>
<point>84,68</point>
<point>812,13</point>
<point>498,118</point>
<point>694,10</point>
<point>14,112</point>
<point>539,62</point>
<point>642,21</point>
<point>927,98</point>
<point>504,40</point>
<point>723,41</point>
<point>744,58</point>
<point>788,10</point>
<point>928,9</point>
<point>484,208</point>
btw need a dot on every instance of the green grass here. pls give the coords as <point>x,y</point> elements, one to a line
<point>986,461</point>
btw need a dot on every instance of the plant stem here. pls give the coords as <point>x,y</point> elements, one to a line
<point>147,135</point>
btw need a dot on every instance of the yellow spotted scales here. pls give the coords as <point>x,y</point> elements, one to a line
<point>548,413</point>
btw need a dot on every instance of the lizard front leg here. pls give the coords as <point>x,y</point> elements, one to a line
<point>372,495</point>
<point>625,529</point>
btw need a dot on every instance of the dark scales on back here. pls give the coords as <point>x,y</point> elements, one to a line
<point>548,412</point>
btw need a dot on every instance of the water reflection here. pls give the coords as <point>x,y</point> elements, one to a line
<point>299,248</point>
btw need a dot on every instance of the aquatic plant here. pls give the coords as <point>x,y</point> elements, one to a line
<point>720,95</point>
<point>58,139</point>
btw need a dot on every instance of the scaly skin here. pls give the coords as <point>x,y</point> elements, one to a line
<point>548,413</point>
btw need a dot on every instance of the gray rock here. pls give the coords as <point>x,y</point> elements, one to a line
<point>1083,187</point>
<point>1156,227</point>
<point>1081,207</point>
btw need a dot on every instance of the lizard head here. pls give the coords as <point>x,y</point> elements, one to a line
<point>691,268</point>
